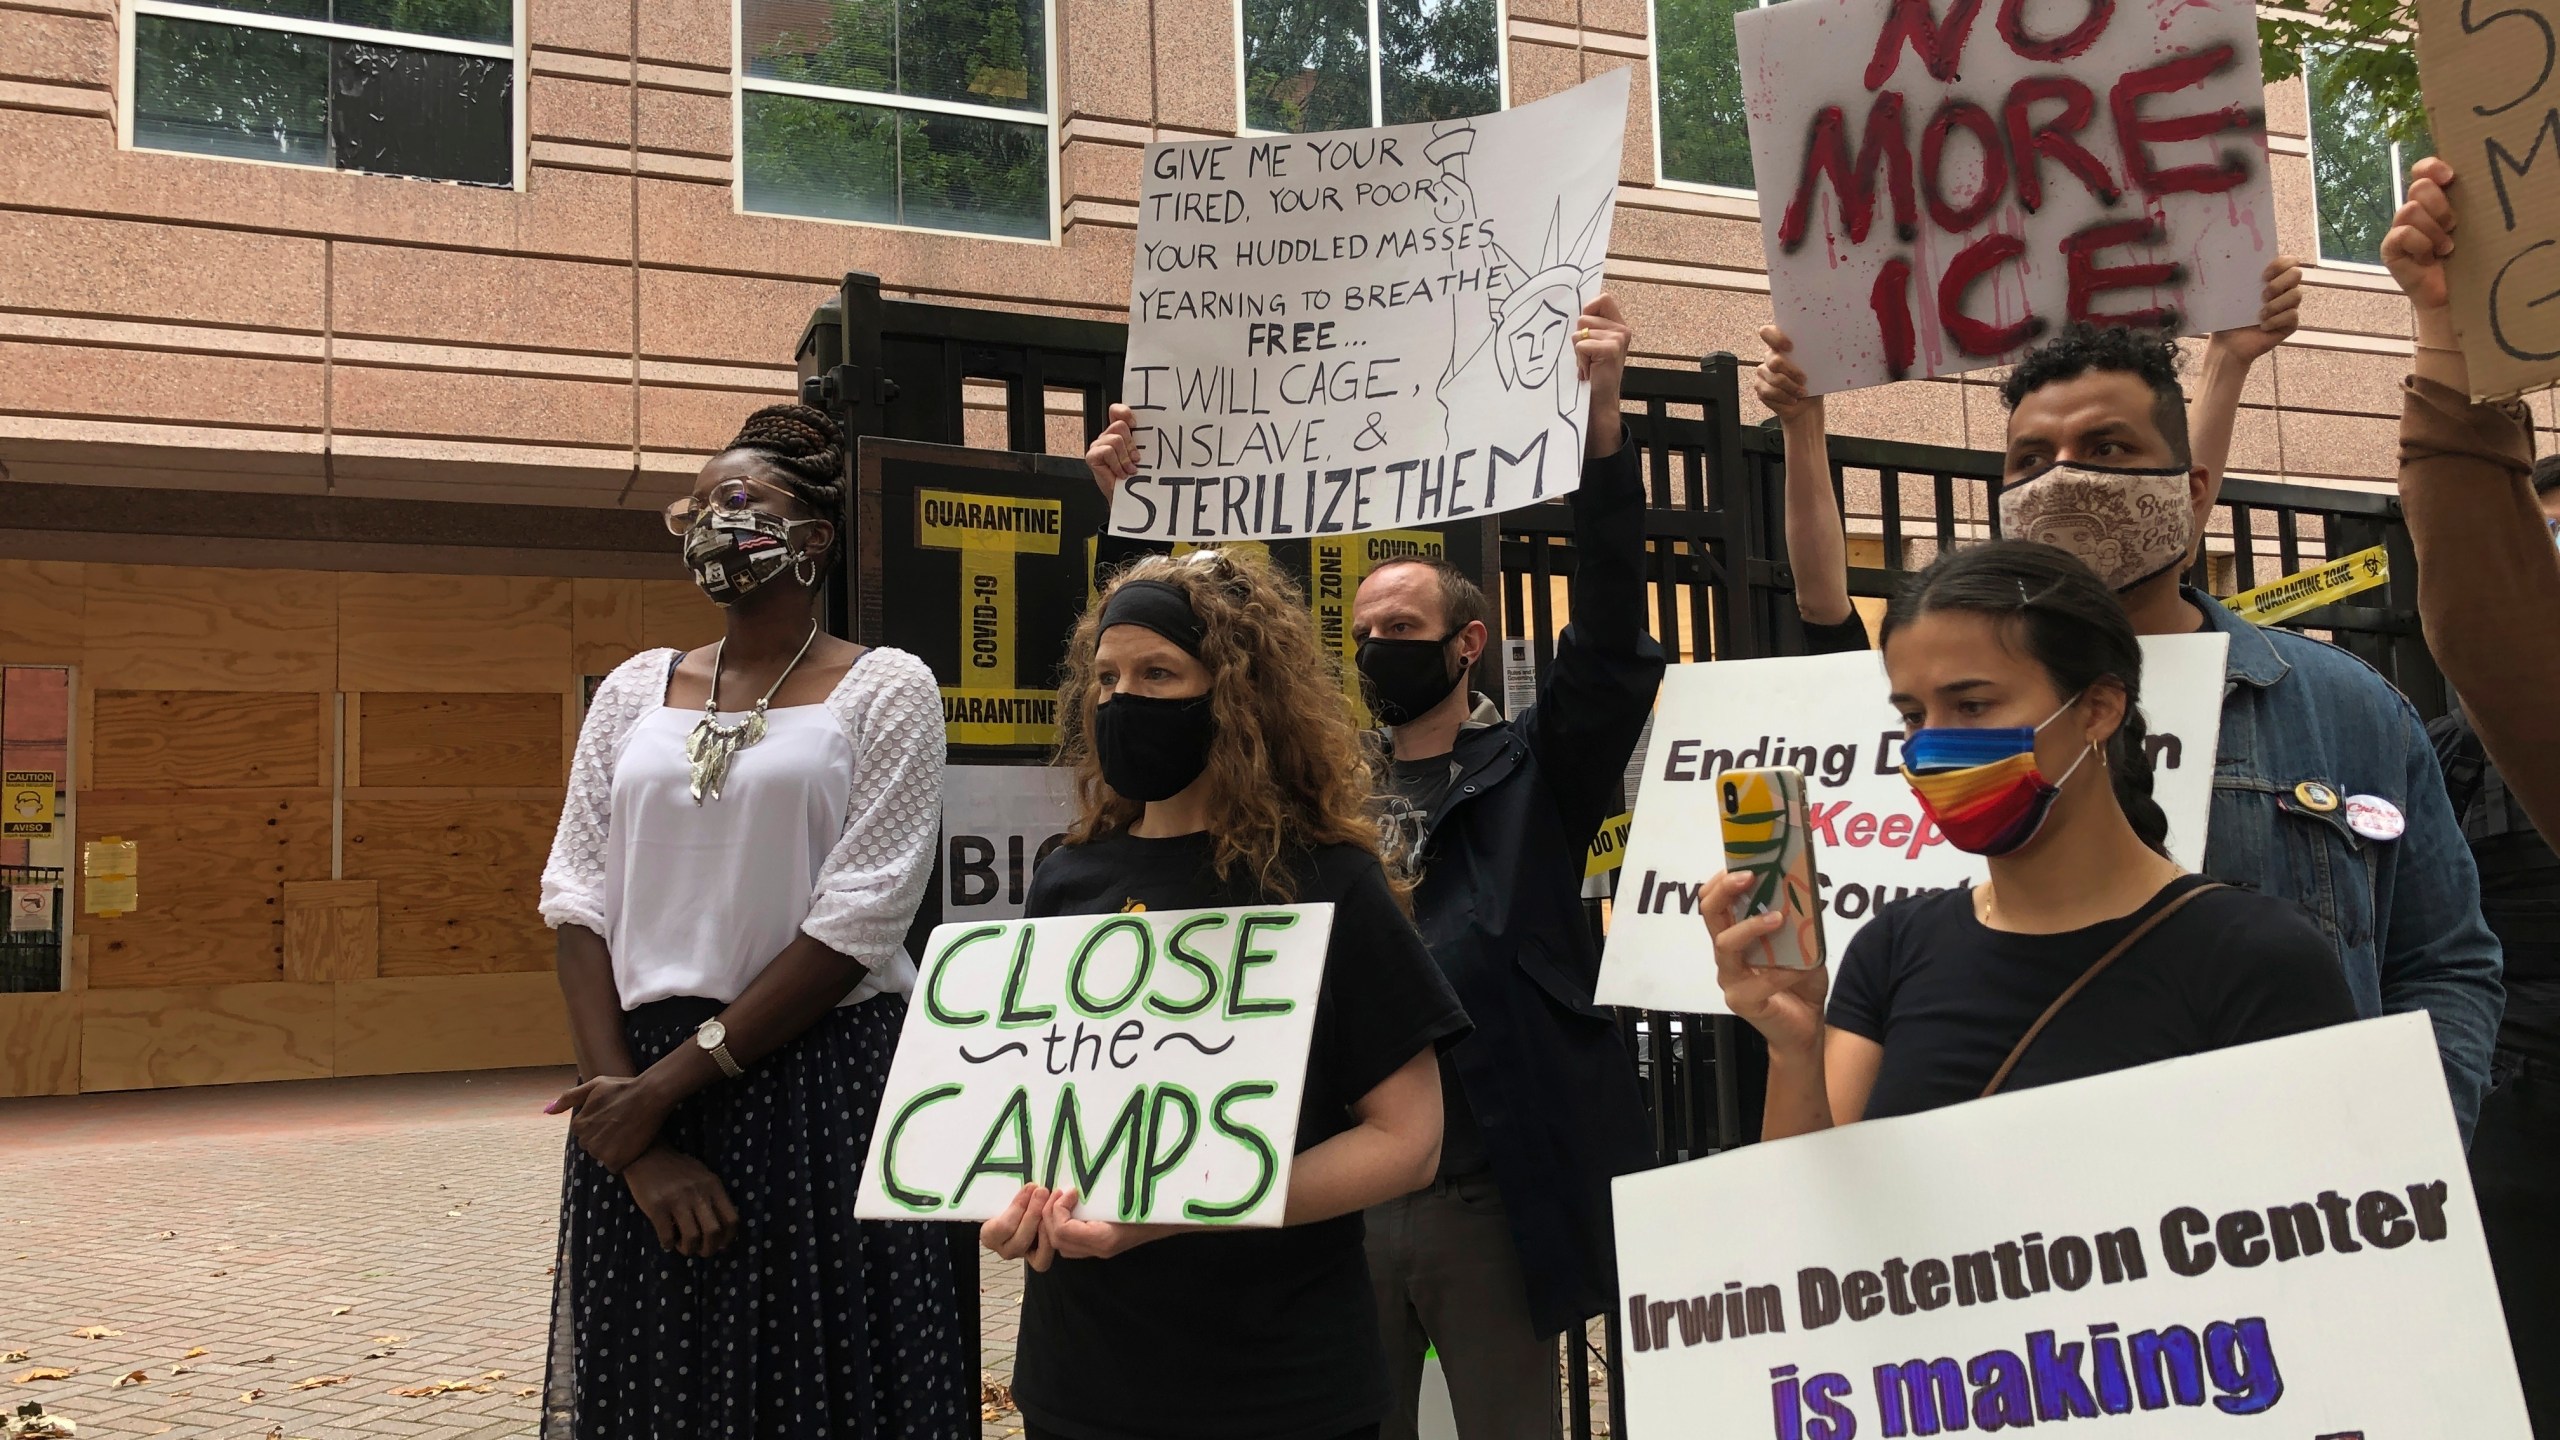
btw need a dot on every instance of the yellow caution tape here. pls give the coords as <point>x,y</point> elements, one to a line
<point>2311,589</point>
<point>1609,847</point>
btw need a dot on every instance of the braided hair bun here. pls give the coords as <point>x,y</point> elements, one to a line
<point>807,447</point>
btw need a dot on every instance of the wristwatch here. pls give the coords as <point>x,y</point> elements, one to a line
<point>713,1037</point>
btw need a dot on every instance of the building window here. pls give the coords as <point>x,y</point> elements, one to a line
<point>2358,172</point>
<point>931,113</point>
<point>424,88</point>
<point>1700,133</point>
<point>1348,64</point>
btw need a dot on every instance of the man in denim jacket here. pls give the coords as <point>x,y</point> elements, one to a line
<point>2312,738</point>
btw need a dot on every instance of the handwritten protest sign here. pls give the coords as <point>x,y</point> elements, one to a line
<point>1151,1061</point>
<point>1366,329</point>
<point>2278,1239</point>
<point>2492,81</point>
<point>1940,186</point>
<point>1827,716</point>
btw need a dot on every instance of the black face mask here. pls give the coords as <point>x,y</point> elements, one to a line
<point>1152,748</point>
<point>1406,677</point>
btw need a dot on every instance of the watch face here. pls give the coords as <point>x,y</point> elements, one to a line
<point>712,1035</point>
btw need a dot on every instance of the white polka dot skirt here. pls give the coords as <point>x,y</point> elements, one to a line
<point>811,1325</point>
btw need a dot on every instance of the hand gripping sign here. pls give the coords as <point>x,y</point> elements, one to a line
<point>1153,1062</point>
<point>1366,329</point>
<point>2274,1240</point>
<point>1943,183</point>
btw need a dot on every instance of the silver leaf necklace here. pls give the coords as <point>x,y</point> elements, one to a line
<point>712,745</point>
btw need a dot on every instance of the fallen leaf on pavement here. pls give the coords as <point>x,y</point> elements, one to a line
<point>218,1274</point>
<point>224,1249</point>
<point>198,1350</point>
<point>134,1377</point>
<point>261,1360</point>
<point>166,1235</point>
<point>528,1392</point>
<point>995,1399</point>
<point>319,1382</point>
<point>177,1370</point>
<point>251,1397</point>
<point>487,1375</point>
<point>275,1432</point>
<point>382,1352</point>
<point>389,1339</point>
<point>341,1310</point>
<point>12,1357</point>
<point>95,1332</point>
<point>444,1387</point>
<point>49,1372</point>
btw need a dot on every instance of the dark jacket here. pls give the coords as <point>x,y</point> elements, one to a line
<point>1551,1084</point>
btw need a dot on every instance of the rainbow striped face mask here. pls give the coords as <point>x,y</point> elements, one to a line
<point>1982,786</point>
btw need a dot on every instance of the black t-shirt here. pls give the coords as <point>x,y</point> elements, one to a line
<point>1947,996</point>
<point>1415,790</point>
<point>1269,1334</point>
<point>1847,635</point>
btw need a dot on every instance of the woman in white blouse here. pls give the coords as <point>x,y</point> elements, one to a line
<point>749,828</point>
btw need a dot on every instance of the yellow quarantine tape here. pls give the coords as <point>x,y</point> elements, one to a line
<point>1609,847</point>
<point>991,532</point>
<point>2311,589</point>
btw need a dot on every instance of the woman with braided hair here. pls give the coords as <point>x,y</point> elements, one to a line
<point>748,830</point>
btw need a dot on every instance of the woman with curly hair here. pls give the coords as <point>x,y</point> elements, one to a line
<point>1217,766</point>
<point>746,837</point>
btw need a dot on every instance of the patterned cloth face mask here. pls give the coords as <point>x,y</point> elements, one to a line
<point>2126,525</point>
<point>1982,786</point>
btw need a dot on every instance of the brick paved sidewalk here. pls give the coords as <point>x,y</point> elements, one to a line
<point>291,1232</point>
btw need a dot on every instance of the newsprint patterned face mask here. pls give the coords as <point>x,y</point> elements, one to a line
<point>2127,525</point>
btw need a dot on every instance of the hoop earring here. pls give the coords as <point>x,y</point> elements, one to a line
<point>806,571</point>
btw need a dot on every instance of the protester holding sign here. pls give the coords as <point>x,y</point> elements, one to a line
<point>2020,683</point>
<point>1216,767</point>
<point>731,882</point>
<point>1510,1243</point>
<point>2328,792</point>
<point>2483,523</point>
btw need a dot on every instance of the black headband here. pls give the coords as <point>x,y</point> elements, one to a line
<point>1158,606</point>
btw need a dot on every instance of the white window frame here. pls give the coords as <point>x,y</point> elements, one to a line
<point>127,23</point>
<point>1377,73</point>
<point>2310,153</point>
<point>1653,75</point>
<point>1046,117</point>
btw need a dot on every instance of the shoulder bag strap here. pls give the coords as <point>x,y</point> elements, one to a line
<point>2019,1050</point>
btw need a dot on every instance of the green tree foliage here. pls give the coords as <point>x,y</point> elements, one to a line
<point>1703,135</point>
<point>2368,62</point>
<point>1438,59</point>
<point>1306,64</point>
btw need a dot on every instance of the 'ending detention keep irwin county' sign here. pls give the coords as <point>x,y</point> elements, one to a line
<point>1366,329</point>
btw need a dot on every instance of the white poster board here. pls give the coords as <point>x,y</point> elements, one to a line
<point>1943,183</point>
<point>998,823</point>
<point>1828,716</point>
<point>2273,1240</point>
<point>1151,1061</point>
<point>1366,329</point>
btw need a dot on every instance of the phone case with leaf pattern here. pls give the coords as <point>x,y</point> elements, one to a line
<point>1765,836</point>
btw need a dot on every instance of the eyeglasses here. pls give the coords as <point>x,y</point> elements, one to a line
<point>729,497</point>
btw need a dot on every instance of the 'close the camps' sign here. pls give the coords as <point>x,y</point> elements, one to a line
<point>1828,716</point>
<point>1366,329</point>
<point>1152,1062</point>
<point>1942,183</point>
<point>2276,1240</point>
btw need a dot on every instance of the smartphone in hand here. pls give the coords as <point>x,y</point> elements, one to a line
<point>1765,837</point>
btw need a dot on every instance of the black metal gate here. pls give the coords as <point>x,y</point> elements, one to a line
<point>1715,562</point>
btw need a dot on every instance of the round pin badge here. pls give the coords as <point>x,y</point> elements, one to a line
<point>2375,818</point>
<point>2312,795</point>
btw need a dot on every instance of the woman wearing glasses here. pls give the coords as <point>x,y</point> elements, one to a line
<point>749,828</point>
